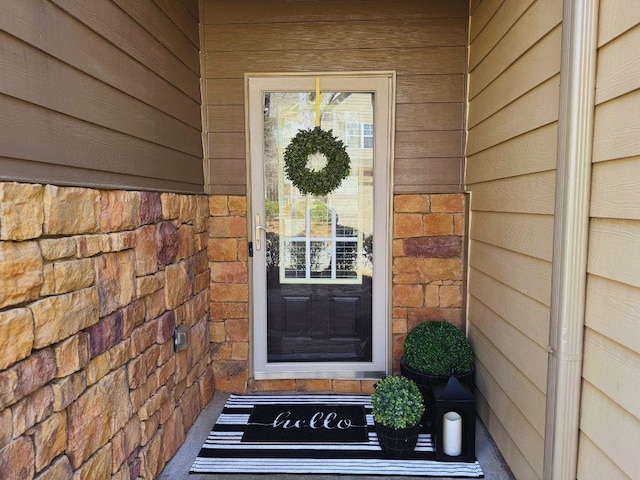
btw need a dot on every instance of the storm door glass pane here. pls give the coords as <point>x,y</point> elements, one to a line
<point>319,248</point>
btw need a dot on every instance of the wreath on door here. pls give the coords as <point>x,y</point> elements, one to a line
<point>316,182</point>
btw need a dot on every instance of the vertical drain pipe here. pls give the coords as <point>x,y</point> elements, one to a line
<point>570,242</point>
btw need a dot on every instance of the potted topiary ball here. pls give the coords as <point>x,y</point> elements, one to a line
<point>397,409</point>
<point>433,351</point>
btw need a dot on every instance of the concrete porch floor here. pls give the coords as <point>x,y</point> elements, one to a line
<point>178,467</point>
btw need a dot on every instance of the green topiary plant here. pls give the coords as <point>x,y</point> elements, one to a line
<point>397,403</point>
<point>436,348</point>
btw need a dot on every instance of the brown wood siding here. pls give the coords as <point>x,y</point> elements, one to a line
<point>611,371</point>
<point>424,42</point>
<point>101,93</point>
<point>514,68</point>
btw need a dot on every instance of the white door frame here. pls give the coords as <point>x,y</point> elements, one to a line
<point>383,85</point>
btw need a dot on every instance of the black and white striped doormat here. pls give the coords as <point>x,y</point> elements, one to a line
<point>225,452</point>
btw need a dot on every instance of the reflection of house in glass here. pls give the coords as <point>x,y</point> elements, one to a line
<point>322,238</point>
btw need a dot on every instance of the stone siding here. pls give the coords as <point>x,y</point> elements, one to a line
<point>92,285</point>
<point>428,253</point>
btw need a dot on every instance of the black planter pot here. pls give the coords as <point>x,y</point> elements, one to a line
<point>397,442</point>
<point>425,384</point>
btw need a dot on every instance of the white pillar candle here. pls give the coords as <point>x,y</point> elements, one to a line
<point>452,434</point>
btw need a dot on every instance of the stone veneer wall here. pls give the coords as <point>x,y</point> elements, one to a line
<point>428,249</point>
<point>92,284</point>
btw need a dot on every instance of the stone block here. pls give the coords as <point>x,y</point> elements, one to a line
<point>218,205</point>
<point>148,428</point>
<point>32,409</point>
<point>207,386</point>
<point>426,270</point>
<point>16,335</point>
<point>407,296</point>
<point>227,227</point>
<point>72,354</point>
<point>57,248</point>
<point>89,424</point>
<point>237,330</point>
<point>167,242</point>
<point>119,401</point>
<point>6,427</point>
<point>152,458</point>
<point>143,392</point>
<point>434,247</point>
<point>170,206</point>
<point>314,385</point>
<point>426,314</point>
<point>182,365</point>
<point>150,208</point>
<point>187,209</point>
<point>90,245</point>
<point>227,310</point>
<point>202,213</point>
<point>116,280</point>
<point>217,333</point>
<point>73,275</point>
<point>230,375</point>
<point>21,211</point>
<point>368,386</point>
<point>21,272</point>
<point>240,351</point>
<point>69,211</point>
<point>199,341</point>
<point>106,333</point>
<point>411,203</point>
<point>120,241</point>
<point>119,210</point>
<point>143,337</point>
<point>141,367</point>
<point>165,352</point>
<point>436,224</point>
<point>221,351</point>
<point>431,295</point>
<point>407,225</point>
<point>120,354</point>
<point>17,460</point>
<point>125,442</point>
<point>60,469</point>
<point>201,282</point>
<point>458,224</point>
<point>26,377</point>
<point>49,439</point>
<point>346,386</point>
<point>399,325</point>
<point>273,385</point>
<point>98,367</point>
<point>167,408</point>
<point>57,318</point>
<point>67,390</point>
<point>447,203</point>
<point>230,292</point>
<point>238,206</point>
<point>223,249</point>
<point>149,284</point>
<point>179,286</point>
<point>154,305</point>
<point>202,238</point>
<point>165,372</point>
<point>146,250</point>
<point>190,405</point>
<point>229,272</point>
<point>166,326</point>
<point>450,296</point>
<point>186,241</point>
<point>173,434</point>
<point>201,261</point>
<point>151,406</point>
<point>97,467</point>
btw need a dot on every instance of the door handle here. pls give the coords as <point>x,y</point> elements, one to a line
<point>258,237</point>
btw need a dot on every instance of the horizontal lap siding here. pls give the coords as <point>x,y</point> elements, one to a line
<point>424,42</point>
<point>514,68</point>
<point>611,373</point>
<point>101,93</point>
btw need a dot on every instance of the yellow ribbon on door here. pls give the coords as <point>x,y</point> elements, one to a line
<point>317,101</point>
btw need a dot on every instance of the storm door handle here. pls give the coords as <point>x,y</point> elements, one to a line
<point>258,237</point>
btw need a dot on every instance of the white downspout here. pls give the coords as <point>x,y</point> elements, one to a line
<point>571,227</point>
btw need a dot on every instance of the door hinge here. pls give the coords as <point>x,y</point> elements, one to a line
<point>251,249</point>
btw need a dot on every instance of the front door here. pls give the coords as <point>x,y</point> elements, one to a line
<point>320,265</point>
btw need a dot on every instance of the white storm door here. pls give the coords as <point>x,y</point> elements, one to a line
<point>321,264</point>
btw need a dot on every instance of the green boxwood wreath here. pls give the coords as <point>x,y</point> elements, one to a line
<point>321,182</point>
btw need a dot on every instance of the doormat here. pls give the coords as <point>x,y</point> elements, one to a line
<point>225,451</point>
<point>312,423</point>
